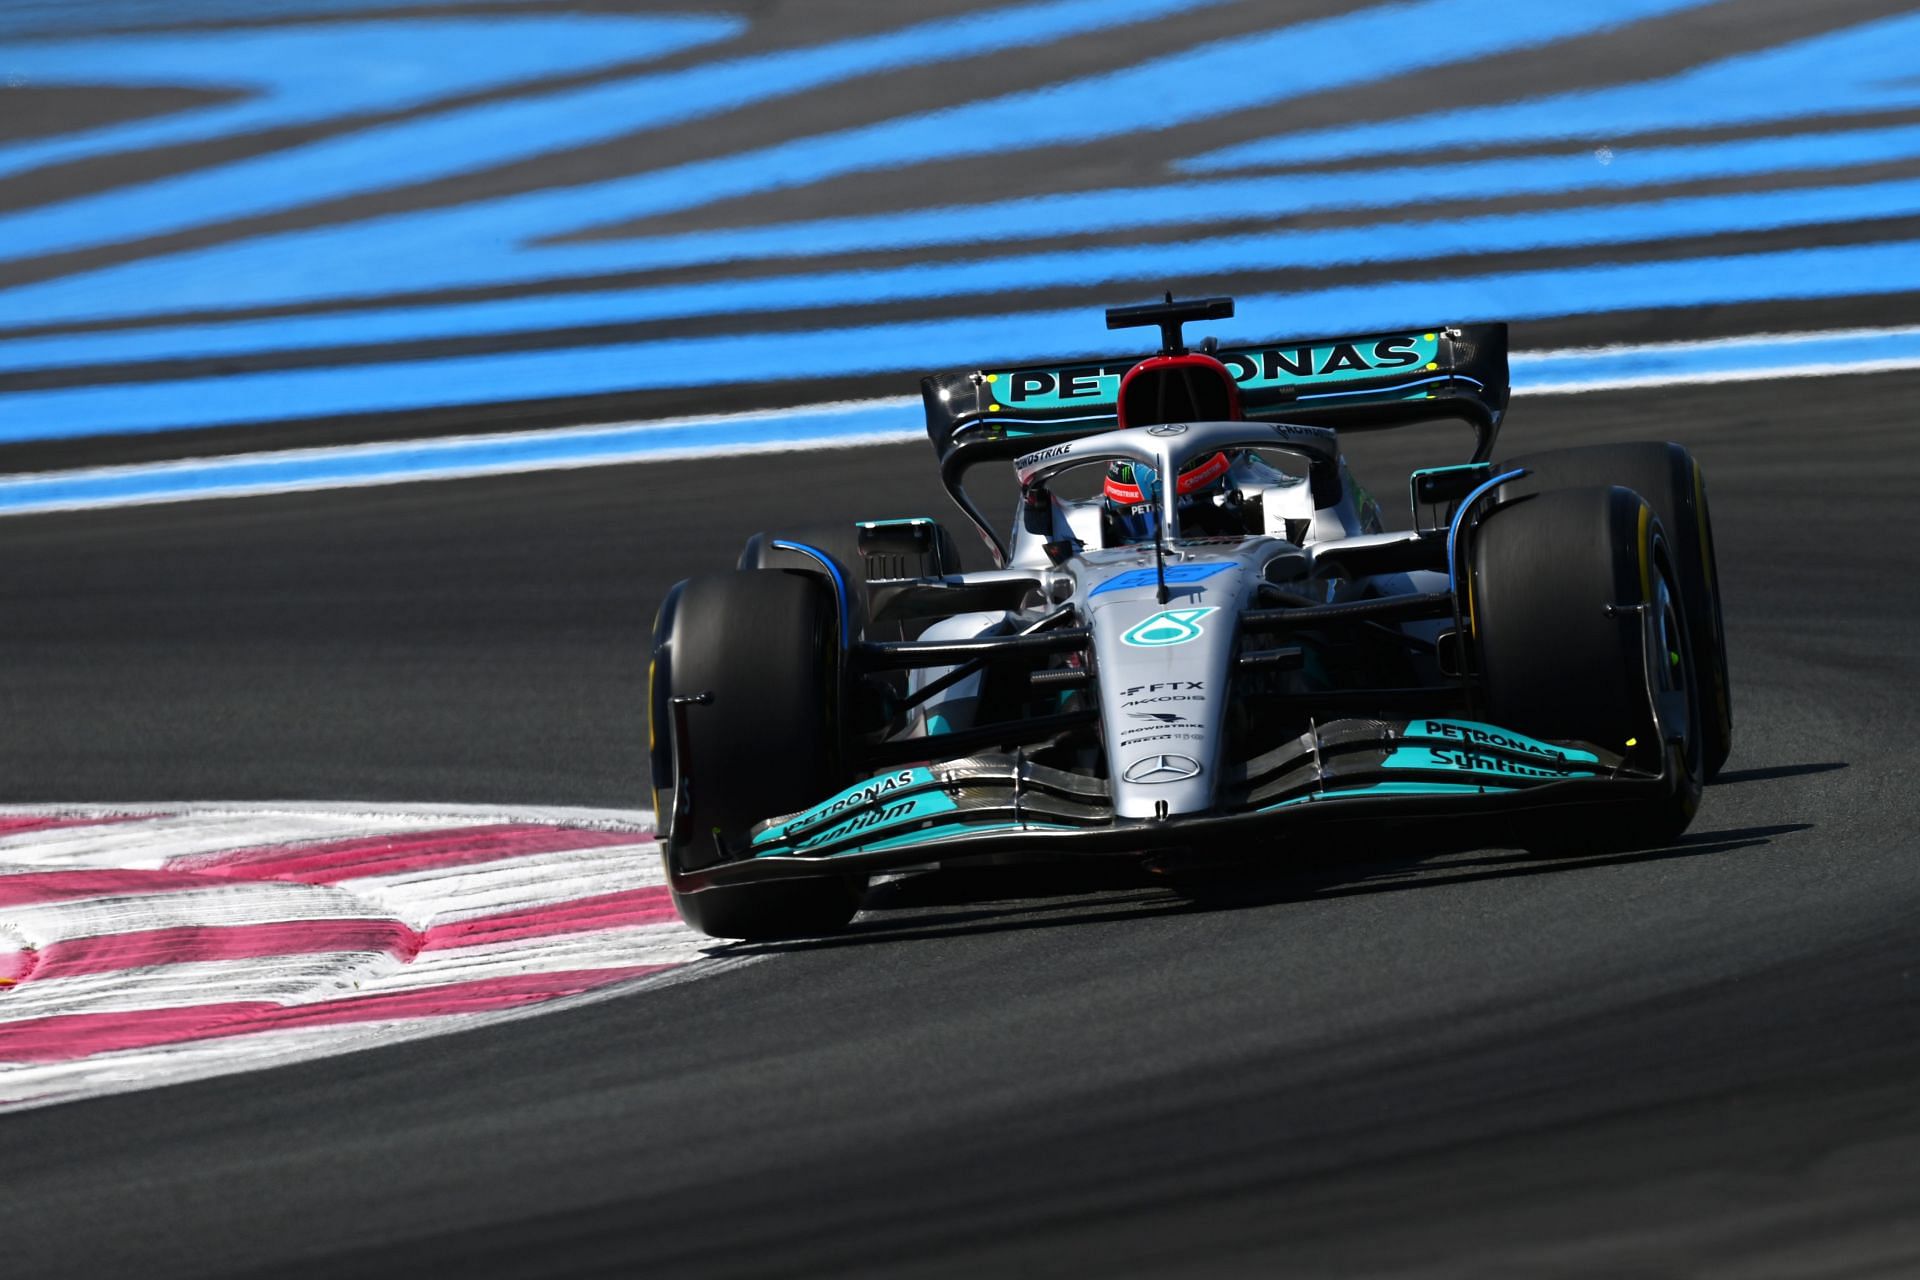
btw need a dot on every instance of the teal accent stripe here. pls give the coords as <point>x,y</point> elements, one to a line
<point>881,793</point>
<point>1473,733</point>
<point>1465,760</point>
<point>1394,789</point>
<point>950,829</point>
<point>926,835</point>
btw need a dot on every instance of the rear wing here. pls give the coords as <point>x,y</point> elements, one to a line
<point>1386,380</point>
<point>1374,382</point>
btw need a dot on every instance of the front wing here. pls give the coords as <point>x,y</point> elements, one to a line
<point>1344,770</point>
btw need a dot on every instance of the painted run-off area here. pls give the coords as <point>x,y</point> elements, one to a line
<point>389,301</point>
<point>141,948</point>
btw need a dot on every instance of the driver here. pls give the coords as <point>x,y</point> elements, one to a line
<point>1209,503</point>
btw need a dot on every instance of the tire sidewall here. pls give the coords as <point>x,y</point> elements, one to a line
<point>1670,479</point>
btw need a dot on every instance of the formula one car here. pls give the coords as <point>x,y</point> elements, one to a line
<point>1216,653</point>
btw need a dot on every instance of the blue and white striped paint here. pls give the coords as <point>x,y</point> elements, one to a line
<point>477,136</point>
<point>821,356</point>
<point>401,114</point>
<point>1856,70</point>
<point>1384,243</point>
<point>315,74</point>
<point>857,423</point>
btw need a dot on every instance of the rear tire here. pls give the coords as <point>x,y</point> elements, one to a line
<point>1557,663</point>
<point>1671,481</point>
<point>760,648</point>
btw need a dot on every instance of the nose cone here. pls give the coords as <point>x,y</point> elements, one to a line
<point>1163,683</point>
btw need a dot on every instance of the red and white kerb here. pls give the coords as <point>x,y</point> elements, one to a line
<point>139,949</point>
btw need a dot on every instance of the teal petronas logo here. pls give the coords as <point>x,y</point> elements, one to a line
<point>1168,627</point>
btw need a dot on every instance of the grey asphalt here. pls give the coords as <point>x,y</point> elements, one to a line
<point>1692,1061</point>
<point>1696,1061</point>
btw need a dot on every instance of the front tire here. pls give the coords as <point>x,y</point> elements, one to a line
<point>1671,481</point>
<point>759,652</point>
<point>894,549</point>
<point>1577,618</point>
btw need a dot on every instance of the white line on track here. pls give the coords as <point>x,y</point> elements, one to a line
<point>1818,369</point>
<point>846,424</point>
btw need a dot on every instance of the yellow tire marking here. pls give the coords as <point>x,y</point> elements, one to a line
<point>1473,625</point>
<point>651,664</point>
<point>1700,515</point>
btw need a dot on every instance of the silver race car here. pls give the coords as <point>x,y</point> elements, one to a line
<point>1196,644</point>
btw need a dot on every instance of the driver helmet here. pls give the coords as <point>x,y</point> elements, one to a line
<point>1130,499</point>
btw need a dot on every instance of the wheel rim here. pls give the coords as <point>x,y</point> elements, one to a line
<point>1676,691</point>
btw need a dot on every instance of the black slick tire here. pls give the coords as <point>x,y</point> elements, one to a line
<point>758,650</point>
<point>1575,610</point>
<point>1673,484</point>
<point>894,549</point>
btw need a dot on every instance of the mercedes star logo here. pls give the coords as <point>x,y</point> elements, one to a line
<point>1168,429</point>
<point>1163,768</point>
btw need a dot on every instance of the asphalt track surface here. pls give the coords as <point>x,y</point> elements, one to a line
<point>1692,1061</point>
